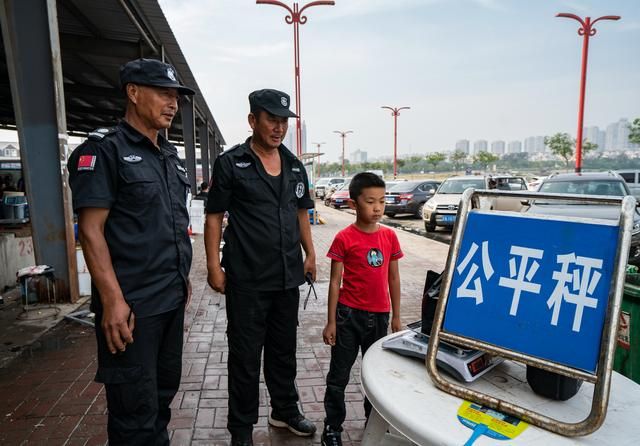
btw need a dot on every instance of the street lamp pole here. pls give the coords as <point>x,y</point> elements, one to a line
<point>343,135</point>
<point>296,18</point>
<point>395,112</point>
<point>318,144</point>
<point>586,30</point>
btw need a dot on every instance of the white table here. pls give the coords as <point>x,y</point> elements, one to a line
<point>405,399</point>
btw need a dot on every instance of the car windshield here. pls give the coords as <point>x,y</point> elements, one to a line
<point>459,186</point>
<point>322,182</point>
<point>582,187</point>
<point>404,187</point>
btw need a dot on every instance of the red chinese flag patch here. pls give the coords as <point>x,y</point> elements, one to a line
<point>87,162</point>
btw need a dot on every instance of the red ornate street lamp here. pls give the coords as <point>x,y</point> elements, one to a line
<point>395,112</point>
<point>318,144</point>
<point>586,30</point>
<point>343,135</point>
<point>296,18</point>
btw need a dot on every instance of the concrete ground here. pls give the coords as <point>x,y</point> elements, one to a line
<point>49,397</point>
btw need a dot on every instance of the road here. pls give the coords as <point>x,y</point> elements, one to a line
<point>405,222</point>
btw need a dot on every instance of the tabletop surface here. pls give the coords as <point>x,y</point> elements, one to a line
<point>402,392</point>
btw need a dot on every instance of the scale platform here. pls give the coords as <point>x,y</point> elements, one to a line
<point>462,364</point>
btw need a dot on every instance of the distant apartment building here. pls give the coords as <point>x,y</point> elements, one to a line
<point>480,145</point>
<point>514,147</point>
<point>497,147</point>
<point>358,157</point>
<point>596,136</point>
<point>462,146</point>
<point>534,144</point>
<point>290,138</point>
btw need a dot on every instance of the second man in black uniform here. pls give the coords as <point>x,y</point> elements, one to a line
<point>265,189</point>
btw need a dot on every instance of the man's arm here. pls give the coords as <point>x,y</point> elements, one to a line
<point>212,235</point>
<point>117,320</point>
<point>394,292</point>
<point>329,332</point>
<point>307,243</point>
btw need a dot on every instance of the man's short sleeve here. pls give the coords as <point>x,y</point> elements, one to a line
<point>337,248</point>
<point>221,188</point>
<point>396,251</point>
<point>93,175</point>
<point>305,202</point>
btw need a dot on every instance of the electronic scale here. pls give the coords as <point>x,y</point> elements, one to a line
<point>461,363</point>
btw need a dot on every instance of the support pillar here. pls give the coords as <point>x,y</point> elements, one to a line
<point>31,41</point>
<point>203,134</point>
<point>187,113</point>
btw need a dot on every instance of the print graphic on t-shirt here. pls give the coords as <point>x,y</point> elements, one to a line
<point>375,258</point>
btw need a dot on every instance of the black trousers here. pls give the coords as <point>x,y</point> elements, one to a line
<point>257,320</point>
<point>355,330</point>
<point>141,382</point>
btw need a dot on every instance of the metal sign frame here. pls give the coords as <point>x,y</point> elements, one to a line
<point>601,378</point>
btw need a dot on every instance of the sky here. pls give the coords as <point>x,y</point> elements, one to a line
<point>469,69</point>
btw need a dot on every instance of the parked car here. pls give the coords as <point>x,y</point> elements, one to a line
<point>333,189</point>
<point>587,183</point>
<point>632,178</point>
<point>535,182</point>
<point>324,184</point>
<point>442,207</point>
<point>340,198</point>
<point>409,197</point>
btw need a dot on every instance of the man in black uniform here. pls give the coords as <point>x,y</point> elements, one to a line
<point>265,189</point>
<point>129,190</point>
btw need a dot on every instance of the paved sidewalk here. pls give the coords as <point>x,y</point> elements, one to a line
<point>49,397</point>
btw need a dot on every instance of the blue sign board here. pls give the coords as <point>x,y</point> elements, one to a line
<point>535,286</point>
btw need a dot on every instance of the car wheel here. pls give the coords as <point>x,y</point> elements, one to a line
<point>327,202</point>
<point>429,226</point>
<point>419,210</point>
<point>390,214</point>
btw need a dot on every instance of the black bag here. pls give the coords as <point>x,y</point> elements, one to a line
<point>430,299</point>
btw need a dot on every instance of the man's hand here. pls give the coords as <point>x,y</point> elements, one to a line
<point>118,322</point>
<point>310,266</point>
<point>396,324</point>
<point>217,279</point>
<point>329,334</point>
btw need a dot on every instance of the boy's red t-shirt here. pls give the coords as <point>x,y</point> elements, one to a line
<point>366,257</point>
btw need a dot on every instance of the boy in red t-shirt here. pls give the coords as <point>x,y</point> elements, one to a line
<point>364,257</point>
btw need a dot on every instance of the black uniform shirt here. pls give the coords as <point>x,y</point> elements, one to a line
<point>145,190</point>
<point>262,240</point>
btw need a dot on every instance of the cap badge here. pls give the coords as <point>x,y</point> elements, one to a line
<point>284,101</point>
<point>243,165</point>
<point>133,159</point>
<point>299,190</point>
<point>171,74</point>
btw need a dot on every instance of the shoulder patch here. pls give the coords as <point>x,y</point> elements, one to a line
<point>100,133</point>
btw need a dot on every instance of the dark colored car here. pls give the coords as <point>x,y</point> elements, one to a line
<point>587,183</point>
<point>409,197</point>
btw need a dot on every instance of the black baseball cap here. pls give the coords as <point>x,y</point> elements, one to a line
<point>273,101</point>
<point>152,72</point>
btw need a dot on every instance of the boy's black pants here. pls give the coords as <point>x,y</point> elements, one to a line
<point>257,320</point>
<point>355,330</point>
<point>140,383</point>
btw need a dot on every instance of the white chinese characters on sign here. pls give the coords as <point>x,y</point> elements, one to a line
<point>487,269</point>
<point>583,279</point>
<point>576,280</point>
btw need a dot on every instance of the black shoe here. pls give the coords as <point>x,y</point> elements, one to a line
<point>241,441</point>
<point>298,424</point>
<point>331,437</point>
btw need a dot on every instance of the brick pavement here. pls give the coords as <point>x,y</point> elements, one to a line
<point>48,396</point>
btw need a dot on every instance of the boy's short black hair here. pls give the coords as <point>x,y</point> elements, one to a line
<point>362,181</point>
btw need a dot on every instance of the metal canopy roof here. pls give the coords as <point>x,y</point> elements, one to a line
<point>96,37</point>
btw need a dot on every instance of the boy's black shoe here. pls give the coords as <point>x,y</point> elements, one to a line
<point>331,437</point>
<point>241,441</point>
<point>299,425</point>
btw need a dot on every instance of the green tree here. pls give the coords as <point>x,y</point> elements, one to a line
<point>588,146</point>
<point>484,158</point>
<point>435,158</point>
<point>634,131</point>
<point>560,144</point>
<point>457,157</point>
